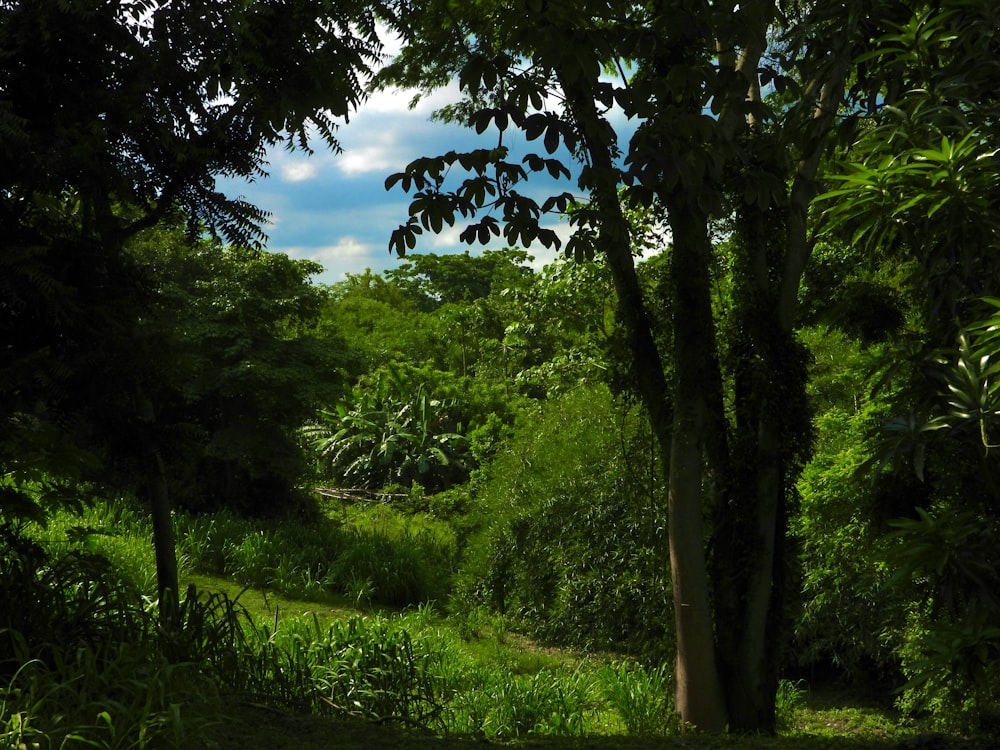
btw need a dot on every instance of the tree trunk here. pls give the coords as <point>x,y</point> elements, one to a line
<point>680,430</point>
<point>699,693</point>
<point>164,544</point>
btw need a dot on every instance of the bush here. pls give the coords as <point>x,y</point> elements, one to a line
<point>572,539</point>
<point>951,645</point>
<point>501,705</point>
<point>80,658</point>
<point>375,671</point>
<point>57,603</point>
<point>117,697</point>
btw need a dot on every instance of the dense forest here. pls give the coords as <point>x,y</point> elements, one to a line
<point>738,442</point>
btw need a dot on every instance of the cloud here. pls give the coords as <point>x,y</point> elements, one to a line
<point>298,171</point>
<point>386,134</point>
<point>379,152</point>
<point>348,254</point>
<point>334,209</point>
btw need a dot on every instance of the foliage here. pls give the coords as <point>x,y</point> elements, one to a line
<point>562,330</point>
<point>850,615</point>
<point>381,326</point>
<point>396,431</point>
<point>123,355</point>
<point>80,656</point>
<point>97,134</point>
<point>946,547</point>
<point>920,182</point>
<point>703,142</point>
<point>240,371</point>
<point>917,194</point>
<point>952,646</point>
<point>402,560</point>
<point>122,700</point>
<point>431,281</point>
<point>411,669</point>
<point>565,547</point>
<point>641,697</point>
<point>498,704</point>
<point>116,530</point>
<point>54,604</point>
<point>531,333</point>
<point>788,702</point>
<point>841,289</point>
<point>919,601</point>
<point>90,159</point>
<point>377,673</point>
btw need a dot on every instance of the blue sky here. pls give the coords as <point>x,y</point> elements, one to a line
<point>334,208</point>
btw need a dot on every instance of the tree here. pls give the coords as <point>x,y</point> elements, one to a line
<point>241,368</point>
<point>434,280</point>
<point>115,117</point>
<point>708,145</point>
<point>381,324</point>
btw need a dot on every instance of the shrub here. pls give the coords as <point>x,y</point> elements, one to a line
<point>401,559</point>
<point>57,603</point>
<point>373,670</point>
<point>572,538</point>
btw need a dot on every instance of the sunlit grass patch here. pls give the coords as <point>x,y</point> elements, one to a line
<point>837,714</point>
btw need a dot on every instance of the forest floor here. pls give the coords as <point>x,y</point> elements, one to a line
<point>825,720</point>
<point>249,727</point>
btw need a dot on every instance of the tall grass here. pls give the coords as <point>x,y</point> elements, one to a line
<point>118,530</point>
<point>80,659</point>
<point>371,554</point>
<point>128,684</point>
<point>375,554</point>
<point>641,696</point>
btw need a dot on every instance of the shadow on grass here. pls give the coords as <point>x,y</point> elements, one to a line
<point>245,726</point>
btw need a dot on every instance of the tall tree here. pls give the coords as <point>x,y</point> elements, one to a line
<point>708,146</point>
<point>115,116</point>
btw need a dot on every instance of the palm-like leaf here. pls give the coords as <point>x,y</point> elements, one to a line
<point>390,432</point>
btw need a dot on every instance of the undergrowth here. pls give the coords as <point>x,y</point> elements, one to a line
<point>87,666</point>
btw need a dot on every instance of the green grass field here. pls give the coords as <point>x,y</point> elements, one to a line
<point>284,646</point>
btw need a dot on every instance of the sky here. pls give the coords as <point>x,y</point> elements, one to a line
<point>334,209</point>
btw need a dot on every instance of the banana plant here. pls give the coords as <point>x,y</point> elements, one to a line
<point>391,432</point>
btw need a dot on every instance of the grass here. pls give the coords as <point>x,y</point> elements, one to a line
<point>248,727</point>
<point>631,718</point>
<point>369,554</point>
<point>311,657</point>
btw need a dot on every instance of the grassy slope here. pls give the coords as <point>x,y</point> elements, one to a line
<point>824,721</point>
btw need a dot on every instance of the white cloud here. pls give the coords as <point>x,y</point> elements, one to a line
<point>299,170</point>
<point>448,238</point>
<point>397,101</point>
<point>377,152</point>
<point>386,134</point>
<point>346,248</point>
<point>347,255</point>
